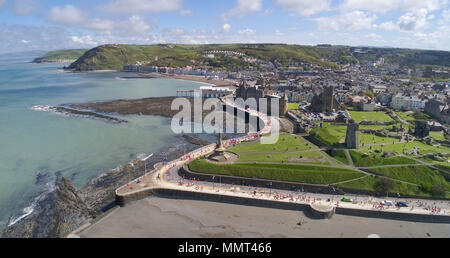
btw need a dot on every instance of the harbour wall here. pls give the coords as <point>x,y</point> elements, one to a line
<point>306,208</point>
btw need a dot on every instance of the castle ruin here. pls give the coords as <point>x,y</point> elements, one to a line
<point>352,136</point>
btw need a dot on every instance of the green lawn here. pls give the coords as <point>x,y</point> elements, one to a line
<point>312,157</point>
<point>377,160</point>
<point>407,116</point>
<point>331,134</point>
<point>293,106</point>
<point>369,184</point>
<point>416,175</point>
<point>341,157</point>
<point>281,172</point>
<point>375,127</point>
<point>370,116</point>
<point>438,135</point>
<point>365,139</point>
<point>424,148</point>
<point>286,143</point>
<point>334,135</point>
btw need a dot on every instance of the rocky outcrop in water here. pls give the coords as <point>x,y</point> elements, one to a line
<point>66,208</point>
<point>59,213</point>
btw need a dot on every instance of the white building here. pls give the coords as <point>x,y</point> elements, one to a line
<point>377,89</point>
<point>400,102</point>
<point>206,92</point>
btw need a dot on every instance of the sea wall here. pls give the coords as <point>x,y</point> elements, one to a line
<point>306,208</point>
<point>412,217</point>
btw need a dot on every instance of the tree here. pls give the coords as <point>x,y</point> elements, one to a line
<point>428,73</point>
<point>384,185</point>
<point>370,94</point>
<point>438,190</point>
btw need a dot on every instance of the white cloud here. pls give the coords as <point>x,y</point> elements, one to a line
<point>142,6</point>
<point>17,38</point>
<point>84,40</point>
<point>389,26</point>
<point>374,37</point>
<point>24,7</point>
<point>445,17</point>
<point>134,26</point>
<point>305,7</point>
<point>247,32</point>
<point>226,28</point>
<point>413,20</point>
<point>354,21</point>
<point>279,33</point>
<point>67,15</point>
<point>392,5</point>
<point>243,7</point>
<point>99,24</point>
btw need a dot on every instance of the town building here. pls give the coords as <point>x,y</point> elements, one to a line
<point>325,102</point>
<point>402,102</point>
<point>439,110</point>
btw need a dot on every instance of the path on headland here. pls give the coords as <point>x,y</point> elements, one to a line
<point>167,177</point>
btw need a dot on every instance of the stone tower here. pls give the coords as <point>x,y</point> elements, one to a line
<point>325,102</point>
<point>422,129</point>
<point>352,137</point>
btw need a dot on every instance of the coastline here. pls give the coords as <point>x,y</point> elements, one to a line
<point>64,208</point>
<point>202,79</point>
<point>193,78</point>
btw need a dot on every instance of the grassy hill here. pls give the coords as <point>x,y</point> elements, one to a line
<point>175,55</point>
<point>115,56</point>
<point>61,55</point>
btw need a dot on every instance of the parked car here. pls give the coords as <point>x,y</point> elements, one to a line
<point>401,204</point>
<point>346,199</point>
<point>387,203</point>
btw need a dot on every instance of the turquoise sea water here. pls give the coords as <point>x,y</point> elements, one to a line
<point>33,142</point>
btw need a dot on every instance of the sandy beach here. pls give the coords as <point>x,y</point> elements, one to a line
<point>156,217</point>
<point>203,80</point>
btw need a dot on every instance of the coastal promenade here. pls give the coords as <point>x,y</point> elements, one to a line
<point>165,177</point>
<point>148,181</point>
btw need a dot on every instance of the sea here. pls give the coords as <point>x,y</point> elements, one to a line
<point>37,144</point>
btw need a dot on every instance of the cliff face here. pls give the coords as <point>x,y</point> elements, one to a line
<point>106,58</point>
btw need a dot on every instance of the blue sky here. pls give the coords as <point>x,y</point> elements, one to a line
<point>48,25</point>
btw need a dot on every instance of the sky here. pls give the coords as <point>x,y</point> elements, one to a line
<point>49,25</point>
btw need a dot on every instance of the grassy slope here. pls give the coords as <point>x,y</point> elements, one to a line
<point>415,175</point>
<point>286,143</point>
<point>374,160</point>
<point>291,173</point>
<point>311,157</point>
<point>176,55</point>
<point>110,57</point>
<point>399,147</point>
<point>369,184</point>
<point>341,156</point>
<point>335,134</point>
<point>71,54</point>
<point>330,134</point>
<point>370,116</point>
